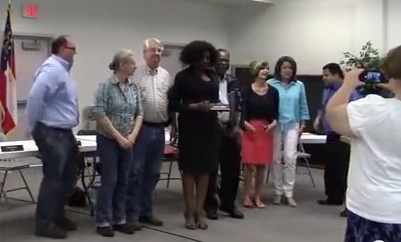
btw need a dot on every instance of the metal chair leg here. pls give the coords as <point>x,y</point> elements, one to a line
<point>2,185</point>
<point>310,172</point>
<point>26,186</point>
<point>268,174</point>
<point>169,174</point>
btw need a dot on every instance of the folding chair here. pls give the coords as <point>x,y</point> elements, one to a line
<point>91,170</point>
<point>301,156</point>
<point>304,157</point>
<point>7,168</point>
<point>170,156</point>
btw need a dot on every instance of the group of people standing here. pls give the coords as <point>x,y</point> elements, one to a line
<point>261,125</point>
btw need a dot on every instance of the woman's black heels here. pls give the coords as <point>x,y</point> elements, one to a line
<point>200,219</point>
<point>190,222</point>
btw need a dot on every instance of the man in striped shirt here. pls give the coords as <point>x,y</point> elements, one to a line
<point>154,83</point>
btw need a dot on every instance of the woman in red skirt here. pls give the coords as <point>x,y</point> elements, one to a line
<point>259,118</point>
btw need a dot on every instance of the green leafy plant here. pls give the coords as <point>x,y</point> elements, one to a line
<point>369,58</point>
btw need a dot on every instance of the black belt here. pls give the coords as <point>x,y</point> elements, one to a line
<point>153,124</point>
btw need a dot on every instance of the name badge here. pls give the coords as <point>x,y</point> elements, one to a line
<point>12,148</point>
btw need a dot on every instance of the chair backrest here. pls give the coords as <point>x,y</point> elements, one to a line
<point>87,132</point>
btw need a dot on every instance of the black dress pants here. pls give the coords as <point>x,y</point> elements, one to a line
<point>230,166</point>
<point>336,169</point>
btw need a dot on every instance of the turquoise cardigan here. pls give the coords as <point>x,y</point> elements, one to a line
<point>293,106</point>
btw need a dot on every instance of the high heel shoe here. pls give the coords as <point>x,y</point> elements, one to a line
<point>200,219</point>
<point>190,222</point>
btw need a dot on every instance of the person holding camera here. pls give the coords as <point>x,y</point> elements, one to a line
<point>374,178</point>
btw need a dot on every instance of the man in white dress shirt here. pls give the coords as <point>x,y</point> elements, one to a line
<point>154,83</point>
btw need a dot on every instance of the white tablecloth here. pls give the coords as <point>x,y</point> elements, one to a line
<point>31,150</point>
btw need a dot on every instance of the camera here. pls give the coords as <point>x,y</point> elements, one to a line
<point>372,78</point>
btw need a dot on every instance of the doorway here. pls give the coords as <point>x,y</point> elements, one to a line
<point>30,52</point>
<point>171,59</point>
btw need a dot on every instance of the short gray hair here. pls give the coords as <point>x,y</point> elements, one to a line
<point>147,41</point>
<point>119,57</point>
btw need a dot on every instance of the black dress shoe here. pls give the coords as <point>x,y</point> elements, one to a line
<point>152,220</point>
<point>52,233</point>
<point>66,224</point>
<point>344,213</point>
<point>234,213</point>
<point>124,228</point>
<point>329,202</point>
<point>135,225</point>
<point>212,214</point>
<point>105,231</point>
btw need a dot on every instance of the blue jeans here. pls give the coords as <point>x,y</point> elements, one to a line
<point>115,162</point>
<point>58,151</point>
<point>145,171</point>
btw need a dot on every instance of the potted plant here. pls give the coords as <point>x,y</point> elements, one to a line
<point>370,59</point>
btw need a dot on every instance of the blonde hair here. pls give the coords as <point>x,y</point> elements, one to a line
<point>120,57</point>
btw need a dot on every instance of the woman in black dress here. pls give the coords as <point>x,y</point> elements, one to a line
<point>195,89</point>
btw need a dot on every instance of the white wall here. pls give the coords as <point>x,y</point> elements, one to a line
<point>314,32</point>
<point>393,23</point>
<point>100,27</point>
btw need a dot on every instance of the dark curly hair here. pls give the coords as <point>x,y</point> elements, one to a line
<point>280,62</point>
<point>194,52</point>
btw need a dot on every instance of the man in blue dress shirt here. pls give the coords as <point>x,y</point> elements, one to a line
<point>52,112</point>
<point>337,159</point>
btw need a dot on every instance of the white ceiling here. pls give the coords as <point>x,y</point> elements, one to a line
<point>233,2</point>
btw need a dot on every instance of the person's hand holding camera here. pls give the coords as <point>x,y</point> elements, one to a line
<point>201,106</point>
<point>352,79</point>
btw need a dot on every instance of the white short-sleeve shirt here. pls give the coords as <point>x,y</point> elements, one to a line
<point>374,179</point>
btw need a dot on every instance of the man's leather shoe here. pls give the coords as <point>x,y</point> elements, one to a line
<point>234,213</point>
<point>344,213</point>
<point>212,215</point>
<point>329,202</point>
<point>136,225</point>
<point>52,233</point>
<point>66,224</point>
<point>152,220</point>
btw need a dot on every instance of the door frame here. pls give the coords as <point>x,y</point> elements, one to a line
<point>22,35</point>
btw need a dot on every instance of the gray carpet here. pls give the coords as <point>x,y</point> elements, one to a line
<point>308,222</point>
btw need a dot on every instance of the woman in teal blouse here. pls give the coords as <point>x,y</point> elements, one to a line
<point>293,112</point>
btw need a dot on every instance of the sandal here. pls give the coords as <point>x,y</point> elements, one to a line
<point>189,221</point>
<point>248,203</point>
<point>201,220</point>
<point>259,203</point>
